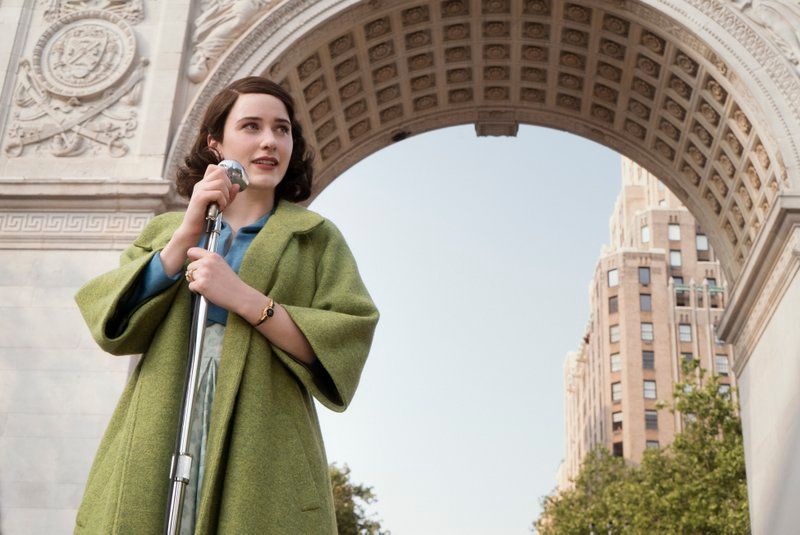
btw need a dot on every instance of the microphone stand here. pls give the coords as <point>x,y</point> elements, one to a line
<point>181,465</point>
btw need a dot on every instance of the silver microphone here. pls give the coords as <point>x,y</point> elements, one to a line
<point>237,175</point>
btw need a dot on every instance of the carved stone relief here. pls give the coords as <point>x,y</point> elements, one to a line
<point>78,93</point>
<point>219,25</point>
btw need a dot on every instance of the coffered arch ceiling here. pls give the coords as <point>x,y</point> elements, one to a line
<point>621,73</point>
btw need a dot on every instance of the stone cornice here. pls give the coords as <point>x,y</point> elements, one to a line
<point>77,213</point>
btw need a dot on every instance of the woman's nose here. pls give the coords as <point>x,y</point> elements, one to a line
<point>268,140</point>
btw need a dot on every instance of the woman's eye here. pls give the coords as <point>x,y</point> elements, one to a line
<point>251,126</point>
<point>283,129</point>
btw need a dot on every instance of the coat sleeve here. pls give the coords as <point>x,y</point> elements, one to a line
<point>339,325</point>
<point>100,300</point>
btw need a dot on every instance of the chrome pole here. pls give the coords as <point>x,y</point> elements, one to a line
<point>181,464</point>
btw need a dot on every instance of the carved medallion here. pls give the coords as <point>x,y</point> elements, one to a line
<point>84,54</point>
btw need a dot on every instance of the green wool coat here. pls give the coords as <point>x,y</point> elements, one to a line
<point>266,470</point>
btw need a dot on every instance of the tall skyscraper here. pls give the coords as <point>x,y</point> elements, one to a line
<point>656,295</point>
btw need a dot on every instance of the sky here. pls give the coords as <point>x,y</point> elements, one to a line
<point>478,253</point>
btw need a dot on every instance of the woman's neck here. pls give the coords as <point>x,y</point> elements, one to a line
<point>247,209</point>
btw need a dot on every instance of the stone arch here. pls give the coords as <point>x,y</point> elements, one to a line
<point>664,83</point>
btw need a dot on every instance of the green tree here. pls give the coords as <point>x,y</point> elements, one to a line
<point>696,485</point>
<point>350,501</point>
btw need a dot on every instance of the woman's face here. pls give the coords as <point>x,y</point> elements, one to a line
<point>258,134</point>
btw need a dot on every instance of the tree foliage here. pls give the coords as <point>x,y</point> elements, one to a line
<point>696,485</point>
<point>350,501</point>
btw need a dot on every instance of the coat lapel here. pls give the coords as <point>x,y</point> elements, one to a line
<point>258,267</point>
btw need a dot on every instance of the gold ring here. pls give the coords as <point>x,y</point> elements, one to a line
<point>190,275</point>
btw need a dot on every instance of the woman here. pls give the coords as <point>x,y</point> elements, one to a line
<point>297,322</point>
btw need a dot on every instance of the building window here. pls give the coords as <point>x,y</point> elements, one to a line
<point>722,365</point>
<point>613,333</point>
<point>613,278</point>
<point>702,247</point>
<point>617,449</point>
<point>674,232</point>
<point>616,421</point>
<point>649,390</point>
<point>712,283</point>
<point>650,419</point>
<point>651,444</point>
<point>685,332</point>
<point>674,258</point>
<point>645,303</point>
<point>613,304</point>
<point>616,392</point>
<point>645,234</point>
<point>616,362</point>
<point>647,332</point>
<point>648,360</point>
<point>644,276</point>
<point>725,391</point>
<point>688,358</point>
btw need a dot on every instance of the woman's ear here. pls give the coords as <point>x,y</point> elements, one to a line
<point>211,142</point>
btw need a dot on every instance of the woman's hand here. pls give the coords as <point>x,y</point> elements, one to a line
<point>215,187</point>
<point>210,276</point>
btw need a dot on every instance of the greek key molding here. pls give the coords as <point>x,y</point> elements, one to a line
<point>70,230</point>
<point>770,296</point>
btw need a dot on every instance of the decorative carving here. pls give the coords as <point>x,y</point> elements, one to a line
<point>425,103</point>
<point>496,93</point>
<point>726,165</point>
<point>720,184</point>
<point>653,42</point>
<point>570,82</point>
<point>355,109</point>
<point>612,49</point>
<point>496,52</point>
<point>602,113</point>
<point>616,25</point>
<point>716,90</point>
<point>780,20</point>
<point>687,64</point>
<point>534,53</point>
<point>606,93</point>
<point>326,130</point>
<point>535,30</point>
<point>423,82</point>
<point>531,94</point>
<point>712,201</point>
<point>742,121</point>
<point>453,8</point>
<point>664,150</point>
<point>391,113</point>
<point>79,93</point>
<point>575,61</point>
<point>696,155</point>
<point>132,11</point>
<point>752,175</point>
<point>457,53</point>
<point>733,143</point>
<point>680,87</point>
<point>312,90</point>
<point>609,72</point>
<point>639,109</point>
<point>675,109</point>
<point>351,89</point>
<point>536,7</point>
<point>219,25</point>
<point>359,129</point>
<point>377,28</point>
<point>418,39</point>
<point>532,74</point>
<point>456,31</point>
<point>762,156</point>
<point>309,67</point>
<point>575,38</point>
<point>568,101</point>
<point>420,61</point>
<point>331,149</point>
<point>577,13</point>
<point>496,73</point>
<point>495,6</point>
<point>643,88</point>
<point>459,96</point>
<point>415,15</point>
<point>702,134</point>
<point>648,66</point>
<point>496,29</point>
<point>691,174</point>
<point>709,113</point>
<point>635,129</point>
<point>320,110</point>
<point>669,129</point>
<point>346,68</point>
<point>341,45</point>
<point>390,93</point>
<point>380,51</point>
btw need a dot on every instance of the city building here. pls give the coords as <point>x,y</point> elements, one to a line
<point>656,296</point>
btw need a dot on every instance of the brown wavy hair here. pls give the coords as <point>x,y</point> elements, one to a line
<point>296,183</point>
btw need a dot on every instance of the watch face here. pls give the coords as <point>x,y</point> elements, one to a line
<point>84,53</point>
